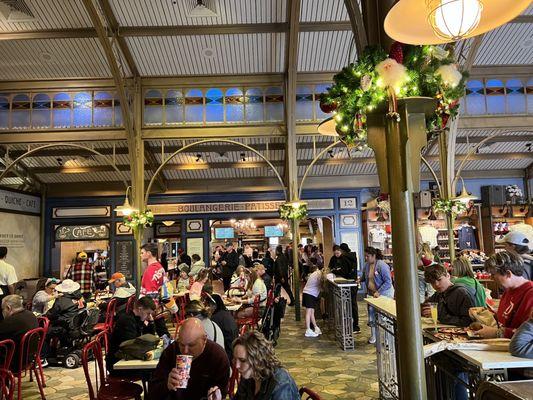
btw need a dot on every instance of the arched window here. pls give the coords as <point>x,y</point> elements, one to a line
<point>516,97</point>
<point>214,106</point>
<point>4,112</point>
<point>304,103</point>
<point>103,109</point>
<point>20,117</point>
<point>41,113</point>
<point>319,89</point>
<point>174,107</point>
<point>117,111</point>
<point>475,98</point>
<point>254,105</point>
<point>83,110</point>
<point>194,106</point>
<point>153,108</point>
<point>274,104</point>
<point>234,103</point>
<point>495,96</point>
<point>61,110</point>
<point>529,91</point>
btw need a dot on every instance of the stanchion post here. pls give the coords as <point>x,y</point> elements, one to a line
<point>295,223</point>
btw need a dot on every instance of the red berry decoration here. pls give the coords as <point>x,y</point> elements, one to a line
<point>396,52</point>
<point>328,107</point>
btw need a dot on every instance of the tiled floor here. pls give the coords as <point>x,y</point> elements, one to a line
<point>317,363</point>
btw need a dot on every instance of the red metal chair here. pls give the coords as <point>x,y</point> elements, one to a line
<point>7,384</point>
<point>107,326</point>
<point>44,323</point>
<point>182,303</point>
<point>309,393</point>
<point>104,388</point>
<point>130,303</point>
<point>7,348</point>
<point>234,379</point>
<point>253,321</point>
<point>29,350</point>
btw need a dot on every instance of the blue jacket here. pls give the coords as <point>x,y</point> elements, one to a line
<point>382,278</point>
<point>281,386</point>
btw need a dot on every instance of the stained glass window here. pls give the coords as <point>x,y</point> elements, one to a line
<point>173,107</point>
<point>254,105</point>
<point>4,112</point>
<point>234,103</point>
<point>153,108</point>
<point>21,106</point>
<point>529,93</point>
<point>495,96</point>
<point>41,113</point>
<point>274,104</point>
<point>214,105</point>
<point>61,110</point>
<point>103,109</point>
<point>304,103</point>
<point>194,106</point>
<point>319,89</point>
<point>516,98</point>
<point>475,98</point>
<point>83,110</point>
<point>118,111</point>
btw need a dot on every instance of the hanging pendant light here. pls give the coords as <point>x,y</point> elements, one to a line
<point>327,127</point>
<point>465,197</point>
<point>126,209</point>
<point>443,21</point>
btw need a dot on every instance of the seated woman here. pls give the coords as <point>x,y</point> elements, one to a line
<point>240,278</point>
<point>262,376</point>
<point>197,309</point>
<point>462,273</point>
<point>183,280</point>
<point>195,293</point>
<point>507,269</point>
<point>45,297</point>
<point>258,287</point>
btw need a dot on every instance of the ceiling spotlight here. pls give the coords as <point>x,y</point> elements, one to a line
<point>528,147</point>
<point>243,156</point>
<point>330,152</point>
<point>222,153</point>
<point>59,161</point>
<point>198,157</point>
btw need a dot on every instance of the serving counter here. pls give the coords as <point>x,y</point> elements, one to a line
<point>339,310</point>
<point>447,373</point>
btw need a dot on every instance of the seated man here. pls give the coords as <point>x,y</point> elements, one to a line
<point>17,321</point>
<point>453,301</point>
<point>130,325</point>
<point>118,280</point>
<point>210,366</point>
<point>65,308</point>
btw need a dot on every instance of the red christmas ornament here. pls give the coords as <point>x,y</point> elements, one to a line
<point>328,107</point>
<point>396,52</point>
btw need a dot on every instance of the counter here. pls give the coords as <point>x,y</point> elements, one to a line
<point>339,308</point>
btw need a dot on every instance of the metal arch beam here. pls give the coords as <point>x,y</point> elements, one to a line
<point>472,52</point>
<point>357,25</point>
<point>165,162</point>
<point>47,146</point>
<point>308,169</point>
<point>23,172</point>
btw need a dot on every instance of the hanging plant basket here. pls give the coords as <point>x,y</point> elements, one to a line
<point>293,211</point>
<point>449,207</point>
<point>138,220</point>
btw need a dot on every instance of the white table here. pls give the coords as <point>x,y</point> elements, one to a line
<point>135,364</point>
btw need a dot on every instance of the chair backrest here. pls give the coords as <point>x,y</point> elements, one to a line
<point>310,395</point>
<point>7,384</point>
<point>87,327</point>
<point>93,350</point>
<point>7,348</point>
<point>130,303</point>
<point>233,381</point>
<point>270,298</point>
<point>44,323</point>
<point>30,347</point>
<point>257,303</point>
<point>110,314</point>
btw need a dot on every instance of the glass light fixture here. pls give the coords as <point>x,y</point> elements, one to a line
<point>126,209</point>
<point>464,197</point>
<point>168,223</point>
<point>454,19</point>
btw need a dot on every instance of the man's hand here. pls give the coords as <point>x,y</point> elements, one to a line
<point>426,310</point>
<point>488,332</point>
<point>214,394</point>
<point>174,379</point>
<point>376,295</point>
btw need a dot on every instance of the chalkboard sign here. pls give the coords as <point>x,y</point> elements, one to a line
<point>124,258</point>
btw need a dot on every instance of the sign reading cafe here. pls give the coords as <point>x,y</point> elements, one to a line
<point>81,232</point>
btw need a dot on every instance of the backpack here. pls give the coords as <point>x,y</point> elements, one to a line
<point>135,349</point>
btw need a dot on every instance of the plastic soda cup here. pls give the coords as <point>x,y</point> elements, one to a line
<point>183,364</point>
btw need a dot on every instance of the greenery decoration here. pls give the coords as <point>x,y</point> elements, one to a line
<point>294,210</point>
<point>139,219</point>
<point>450,207</point>
<point>377,79</point>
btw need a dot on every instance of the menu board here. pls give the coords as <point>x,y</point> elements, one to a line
<point>124,255</point>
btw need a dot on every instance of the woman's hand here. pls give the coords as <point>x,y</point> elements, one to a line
<point>376,295</point>
<point>426,310</point>
<point>214,394</point>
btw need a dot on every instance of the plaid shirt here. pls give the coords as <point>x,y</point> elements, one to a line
<point>83,273</point>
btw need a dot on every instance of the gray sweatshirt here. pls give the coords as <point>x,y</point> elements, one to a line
<point>522,342</point>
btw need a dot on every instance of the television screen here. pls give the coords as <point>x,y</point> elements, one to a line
<point>224,233</point>
<point>273,231</point>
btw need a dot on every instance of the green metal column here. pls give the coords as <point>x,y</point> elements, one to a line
<point>446,186</point>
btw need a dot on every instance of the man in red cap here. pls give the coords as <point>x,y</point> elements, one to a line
<point>119,280</point>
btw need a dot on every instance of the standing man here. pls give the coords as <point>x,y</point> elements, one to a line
<point>281,273</point>
<point>83,273</point>
<point>229,263</point>
<point>8,276</point>
<point>154,274</point>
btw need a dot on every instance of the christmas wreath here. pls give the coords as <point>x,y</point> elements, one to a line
<point>139,219</point>
<point>293,211</point>
<point>453,207</point>
<point>407,71</point>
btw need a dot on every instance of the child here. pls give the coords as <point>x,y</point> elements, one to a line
<point>197,266</point>
<point>183,281</point>
<point>197,287</point>
<point>453,300</point>
<point>311,298</point>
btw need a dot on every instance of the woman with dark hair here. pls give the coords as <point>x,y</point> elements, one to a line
<point>268,262</point>
<point>262,376</point>
<point>197,309</point>
<point>377,278</point>
<point>223,318</point>
<point>281,272</point>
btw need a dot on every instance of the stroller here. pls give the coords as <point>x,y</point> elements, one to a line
<point>274,312</point>
<point>79,333</point>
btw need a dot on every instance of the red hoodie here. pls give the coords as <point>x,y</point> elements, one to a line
<point>515,307</point>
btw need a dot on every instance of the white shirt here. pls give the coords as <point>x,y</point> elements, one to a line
<point>314,283</point>
<point>377,238</point>
<point>429,235</point>
<point>8,275</point>
<point>213,332</point>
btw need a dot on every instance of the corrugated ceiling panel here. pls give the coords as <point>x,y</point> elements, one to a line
<point>11,181</point>
<point>232,54</point>
<point>325,51</point>
<point>323,10</point>
<point>171,13</point>
<point>51,14</point>
<point>86,177</point>
<point>506,45</point>
<point>71,58</point>
<point>529,10</point>
<point>488,132</point>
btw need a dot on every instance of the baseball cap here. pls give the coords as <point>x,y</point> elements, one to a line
<point>115,276</point>
<point>82,255</point>
<point>228,244</point>
<point>517,237</point>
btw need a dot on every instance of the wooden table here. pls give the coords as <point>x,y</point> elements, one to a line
<point>135,364</point>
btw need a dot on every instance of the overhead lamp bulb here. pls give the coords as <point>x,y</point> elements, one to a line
<point>126,209</point>
<point>198,157</point>
<point>243,156</point>
<point>454,19</point>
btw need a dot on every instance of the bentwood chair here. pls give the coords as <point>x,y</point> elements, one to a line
<point>7,348</point>
<point>104,388</point>
<point>107,326</point>
<point>311,395</point>
<point>44,323</point>
<point>233,381</point>
<point>253,321</point>
<point>29,351</point>
<point>7,384</point>
<point>130,303</point>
